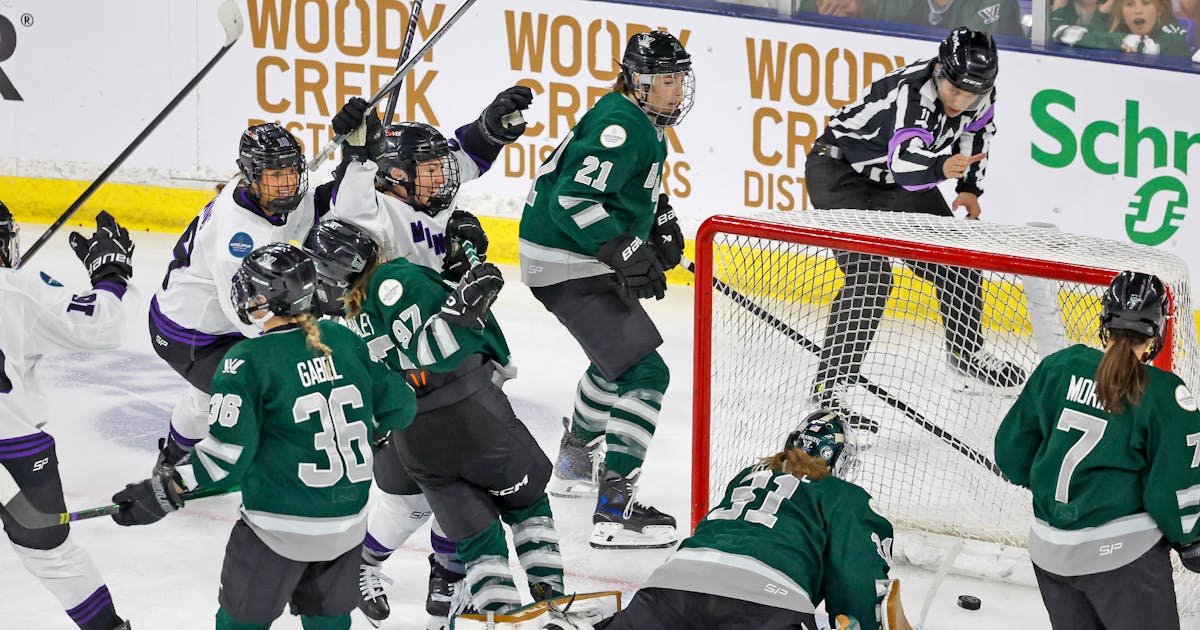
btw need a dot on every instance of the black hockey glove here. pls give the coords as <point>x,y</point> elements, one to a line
<point>147,501</point>
<point>468,306</point>
<point>361,126</point>
<point>1190,557</point>
<point>108,254</point>
<point>170,454</point>
<point>637,266</point>
<point>666,235</point>
<point>491,121</point>
<point>463,226</point>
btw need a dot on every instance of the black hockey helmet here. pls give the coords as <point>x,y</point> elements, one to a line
<point>276,277</point>
<point>655,53</point>
<point>968,60</point>
<point>341,251</point>
<point>404,147</point>
<point>826,437</point>
<point>1138,302</point>
<point>270,147</point>
<point>10,242</point>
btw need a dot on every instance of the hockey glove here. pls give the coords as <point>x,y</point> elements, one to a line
<point>108,254</point>
<point>170,454</point>
<point>361,126</point>
<point>637,266</point>
<point>1189,556</point>
<point>666,235</point>
<point>463,226</point>
<point>468,306</point>
<point>491,121</point>
<point>149,500</point>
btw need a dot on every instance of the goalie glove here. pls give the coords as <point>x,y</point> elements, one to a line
<point>468,306</point>
<point>666,235</point>
<point>1189,556</point>
<point>463,226</point>
<point>636,265</point>
<point>148,501</point>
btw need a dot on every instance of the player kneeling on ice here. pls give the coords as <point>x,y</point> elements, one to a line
<point>42,317</point>
<point>791,530</point>
<point>466,449</point>
<point>293,416</point>
<point>1108,446</point>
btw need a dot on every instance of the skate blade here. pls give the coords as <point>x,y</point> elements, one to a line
<point>570,488</point>
<point>615,536</point>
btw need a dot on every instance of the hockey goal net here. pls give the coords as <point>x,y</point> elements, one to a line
<point>764,290</point>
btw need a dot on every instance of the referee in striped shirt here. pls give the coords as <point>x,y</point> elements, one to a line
<point>920,125</point>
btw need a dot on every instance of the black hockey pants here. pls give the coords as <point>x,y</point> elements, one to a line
<point>671,609</point>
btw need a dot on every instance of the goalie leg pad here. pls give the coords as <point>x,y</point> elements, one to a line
<point>581,612</point>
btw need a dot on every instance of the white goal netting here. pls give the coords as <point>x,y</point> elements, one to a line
<point>928,465</point>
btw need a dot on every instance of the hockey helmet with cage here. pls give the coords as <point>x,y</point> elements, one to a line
<point>341,251</point>
<point>276,277</point>
<point>968,60</point>
<point>1137,302</point>
<point>398,154</point>
<point>652,54</point>
<point>10,241</point>
<point>270,147</point>
<point>826,437</point>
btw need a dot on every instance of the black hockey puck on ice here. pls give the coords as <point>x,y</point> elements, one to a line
<point>970,602</point>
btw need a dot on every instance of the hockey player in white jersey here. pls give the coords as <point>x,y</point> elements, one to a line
<point>42,317</point>
<point>401,190</point>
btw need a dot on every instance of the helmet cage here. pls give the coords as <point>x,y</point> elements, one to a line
<point>269,147</point>
<point>825,437</point>
<point>653,57</point>
<point>407,148</point>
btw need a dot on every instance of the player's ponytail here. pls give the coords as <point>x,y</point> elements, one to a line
<point>1121,377</point>
<point>313,334</point>
<point>798,463</point>
<point>357,293</point>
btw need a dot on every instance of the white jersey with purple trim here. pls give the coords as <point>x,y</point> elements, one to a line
<point>42,317</point>
<point>400,230</point>
<point>194,295</point>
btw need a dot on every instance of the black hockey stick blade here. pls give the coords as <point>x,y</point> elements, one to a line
<point>397,78</point>
<point>409,35</point>
<point>231,21</point>
<point>876,390</point>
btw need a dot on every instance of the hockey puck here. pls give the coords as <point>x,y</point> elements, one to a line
<point>970,602</point>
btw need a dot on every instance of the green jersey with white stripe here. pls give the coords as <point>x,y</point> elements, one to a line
<point>780,540</point>
<point>401,319</point>
<point>1106,487</point>
<point>601,181</point>
<point>294,428</point>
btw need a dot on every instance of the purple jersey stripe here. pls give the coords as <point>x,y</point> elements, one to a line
<point>85,612</point>
<point>181,440</point>
<point>115,288</point>
<point>175,332</point>
<point>25,439</point>
<point>904,135</point>
<point>983,120</point>
<point>441,544</point>
<point>17,452</point>
<point>483,164</point>
<point>375,547</point>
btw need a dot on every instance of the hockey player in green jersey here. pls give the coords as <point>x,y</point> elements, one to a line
<point>595,237</point>
<point>466,450</point>
<point>293,415</point>
<point>1110,449</point>
<point>790,531</point>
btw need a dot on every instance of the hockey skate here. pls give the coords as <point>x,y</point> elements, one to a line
<point>374,603</point>
<point>443,584</point>
<point>986,368</point>
<point>620,522</point>
<point>829,396</point>
<point>575,471</point>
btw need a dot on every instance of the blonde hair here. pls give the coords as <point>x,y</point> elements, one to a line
<point>621,86</point>
<point>1121,377</point>
<point>312,334</point>
<point>798,463</point>
<point>1166,15</point>
<point>357,293</point>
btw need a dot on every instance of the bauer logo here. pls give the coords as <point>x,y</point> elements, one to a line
<point>240,245</point>
<point>8,46</point>
<point>1118,148</point>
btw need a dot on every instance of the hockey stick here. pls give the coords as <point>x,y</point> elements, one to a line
<point>231,21</point>
<point>409,35</point>
<point>858,379</point>
<point>17,504</point>
<point>943,568</point>
<point>392,83</point>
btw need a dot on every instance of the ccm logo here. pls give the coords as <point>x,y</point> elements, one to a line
<point>775,590</point>
<point>1108,550</point>
<point>8,45</point>
<point>511,489</point>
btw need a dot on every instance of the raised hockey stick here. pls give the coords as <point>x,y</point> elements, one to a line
<point>231,21</point>
<point>392,83</point>
<point>18,506</point>
<point>858,379</point>
<point>409,35</point>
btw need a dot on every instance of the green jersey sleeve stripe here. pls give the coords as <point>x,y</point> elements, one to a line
<point>1188,497</point>
<point>214,470</point>
<point>225,452</point>
<point>590,216</point>
<point>444,338</point>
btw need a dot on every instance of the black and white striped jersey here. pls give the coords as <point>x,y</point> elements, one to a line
<point>899,133</point>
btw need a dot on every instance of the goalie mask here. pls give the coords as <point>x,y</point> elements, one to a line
<point>1138,302</point>
<point>10,242</point>
<point>825,437</point>
<point>341,251</point>
<point>272,163</point>
<point>275,279</point>
<point>658,72</point>
<point>419,160</point>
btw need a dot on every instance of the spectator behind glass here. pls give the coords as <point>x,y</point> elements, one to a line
<point>1143,26</point>
<point>996,17</point>
<point>843,8</point>
<point>1085,13</point>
